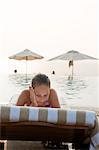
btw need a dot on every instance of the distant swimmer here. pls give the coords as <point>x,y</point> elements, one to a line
<point>15,71</point>
<point>53,72</point>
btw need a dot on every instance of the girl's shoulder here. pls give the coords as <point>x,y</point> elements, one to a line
<point>53,99</point>
<point>25,93</point>
<point>24,97</point>
<point>53,93</point>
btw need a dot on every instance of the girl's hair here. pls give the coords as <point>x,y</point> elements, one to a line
<point>40,79</point>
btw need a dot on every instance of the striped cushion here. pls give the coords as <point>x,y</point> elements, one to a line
<point>50,115</point>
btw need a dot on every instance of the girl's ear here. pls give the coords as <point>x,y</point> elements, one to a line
<point>32,86</point>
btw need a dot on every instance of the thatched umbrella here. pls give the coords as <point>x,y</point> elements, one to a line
<point>71,56</point>
<point>26,55</point>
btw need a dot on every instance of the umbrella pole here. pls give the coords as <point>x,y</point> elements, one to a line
<point>26,68</point>
<point>70,77</point>
<point>72,71</point>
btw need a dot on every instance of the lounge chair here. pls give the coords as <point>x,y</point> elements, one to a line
<point>49,124</point>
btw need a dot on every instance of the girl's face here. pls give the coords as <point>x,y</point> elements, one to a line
<point>42,93</point>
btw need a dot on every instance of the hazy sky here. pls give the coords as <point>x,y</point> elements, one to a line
<point>48,27</point>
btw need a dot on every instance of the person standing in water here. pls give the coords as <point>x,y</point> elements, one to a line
<point>70,64</point>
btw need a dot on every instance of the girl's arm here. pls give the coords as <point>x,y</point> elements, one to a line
<point>32,97</point>
<point>23,98</point>
<point>54,99</point>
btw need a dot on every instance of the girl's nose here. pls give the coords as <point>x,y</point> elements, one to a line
<point>42,99</point>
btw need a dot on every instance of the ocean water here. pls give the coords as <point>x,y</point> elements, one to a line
<point>81,91</point>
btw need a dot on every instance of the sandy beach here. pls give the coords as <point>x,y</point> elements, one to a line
<point>24,145</point>
<point>28,145</point>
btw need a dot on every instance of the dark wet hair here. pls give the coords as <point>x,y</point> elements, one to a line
<point>40,79</point>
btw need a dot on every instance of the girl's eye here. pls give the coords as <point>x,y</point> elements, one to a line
<point>38,95</point>
<point>45,95</point>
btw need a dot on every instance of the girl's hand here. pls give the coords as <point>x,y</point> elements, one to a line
<point>32,97</point>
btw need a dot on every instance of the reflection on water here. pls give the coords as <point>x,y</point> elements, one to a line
<point>79,91</point>
<point>20,79</point>
<point>71,89</point>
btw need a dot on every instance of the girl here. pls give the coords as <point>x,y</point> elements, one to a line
<point>39,94</point>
